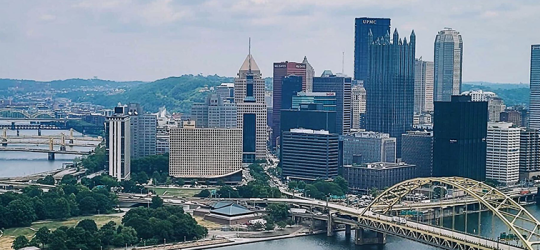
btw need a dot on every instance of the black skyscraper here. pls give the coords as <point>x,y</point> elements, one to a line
<point>342,87</point>
<point>379,27</point>
<point>390,86</point>
<point>459,131</point>
<point>291,85</point>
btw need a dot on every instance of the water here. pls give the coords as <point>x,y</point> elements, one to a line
<point>14,164</point>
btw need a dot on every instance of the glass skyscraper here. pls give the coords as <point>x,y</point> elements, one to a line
<point>447,64</point>
<point>342,87</point>
<point>534,106</point>
<point>390,86</point>
<point>379,27</point>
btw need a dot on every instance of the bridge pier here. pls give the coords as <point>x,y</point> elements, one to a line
<point>4,142</point>
<point>12,125</point>
<point>329,226</point>
<point>18,132</point>
<point>50,156</point>
<point>62,148</point>
<point>347,230</point>
<point>39,132</point>
<point>365,237</point>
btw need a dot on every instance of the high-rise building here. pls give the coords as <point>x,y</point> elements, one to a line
<point>310,73</point>
<point>309,154</point>
<point>448,63</point>
<point>512,116</point>
<point>342,87</point>
<point>204,153</point>
<point>358,101</point>
<point>215,112</point>
<point>459,132</point>
<point>362,26</point>
<point>143,131</point>
<point>495,108</point>
<point>309,116</point>
<point>529,154</point>
<point>417,149</point>
<point>226,92</point>
<point>502,158</point>
<point>378,175</point>
<point>423,86</point>
<point>118,141</point>
<point>390,86</point>
<point>365,147</point>
<point>327,99</point>
<point>291,86</point>
<point>479,95</point>
<point>281,87</point>
<point>251,110</point>
<point>534,105</point>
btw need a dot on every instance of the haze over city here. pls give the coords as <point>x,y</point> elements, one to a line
<point>149,40</point>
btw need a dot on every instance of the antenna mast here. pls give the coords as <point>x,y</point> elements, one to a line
<point>343,62</point>
<point>249,55</point>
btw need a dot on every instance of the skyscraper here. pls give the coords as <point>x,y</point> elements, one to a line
<point>251,110</point>
<point>357,97</point>
<point>529,154</point>
<point>281,70</point>
<point>342,87</point>
<point>310,73</point>
<point>417,149</point>
<point>534,106</point>
<point>459,131</point>
<point>367,147</point>
<point>448,64</point>
<point>423,86</point>
<point>327,99</point>
<point>390,86</point>
<point>215,112</point>
<point>379,27</point>
<point>117,136</point>
<point>502,158</point>
<point>143,131</point>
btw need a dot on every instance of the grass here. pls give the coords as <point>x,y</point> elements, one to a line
<point>10,234</point>
<point>178,192</point>
<point>208,224</point>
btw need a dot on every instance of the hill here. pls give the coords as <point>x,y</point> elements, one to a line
<point>512,94</point>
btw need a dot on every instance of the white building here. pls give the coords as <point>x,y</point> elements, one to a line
<point>502,158</point>
<point>358,105</point>
<point>204,153</point>
<point>118,130</point>
<point>479,95</point>
<point>423,86</point>
<point>495,104</point>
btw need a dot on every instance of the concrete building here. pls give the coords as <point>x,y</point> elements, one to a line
<point>215,112</point>
<point>417,149</point>
<point>342,87</point>
<point>364,147</point>
<point>448,62</point>
<point>204,153</point>
<point>358,105</point>
<point>327,99</point>
<point>529,154</point>
<point>534,105</point>
<point>118,141</point>
<point>249,96</point>
<point>495,104</point>
<point>309,154</point>
<point>423,86</point>
<point>378,175</point>
<point>479,95</point>
<point>143,131</point>
<point>310,73</point>
<point>226,92</point>
<point>502,157</point>
<point>512,116</point>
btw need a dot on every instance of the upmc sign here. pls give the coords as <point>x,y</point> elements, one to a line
<point>369,21</point>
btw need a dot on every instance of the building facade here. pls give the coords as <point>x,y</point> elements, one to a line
<point>358,105</point>
<point>512,116</point>
<point>226,92</point>
<point>251,112</point>
<point>460,131</point>
<point>310,73</point>
<point>204,153</point>
<point>143,131</point>
<point>342,87</point>
<point>215,112</point>
<point>365,147</point>
<point>390,86</point>
<point>423,86</point>
<point>362,26</point>
<point>502,158</point>
<point>417,149</point>
<point>495,108</point>
<point>327,99</point>
<point>534,105</point>
<point>118,140</point>
<point>378,175</point>
<point>448,63</point>
<point>309,154</point>
<point>529,154</point>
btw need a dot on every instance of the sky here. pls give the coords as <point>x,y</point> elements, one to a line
<point>153,39</point>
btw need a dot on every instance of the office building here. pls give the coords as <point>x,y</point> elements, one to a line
<point>479,95</point>
<point>495,108</point>
<point>226,92</point>
<point>534,105</point>
<point>377,175</point>
<point>362,26</point>
<point>215,112</point>
<point>417,149</point>
<point>364,147</point>
<point>459,131</point>
<point>309,154</point>
<point>308,116</point>
<point>342,87</point>
<point>143,131</point>
<point>512,116</point>
<point>423,86</point>
<point>310,73</point>
<point>448,63</point>
<point>358,105</point>
<point>327,99</point>
<point>204,153</point>
<point>251,113</point>
<point>118,141</point>
<point>390,86</point>
<point>502,158</point>
<point>529,154</point>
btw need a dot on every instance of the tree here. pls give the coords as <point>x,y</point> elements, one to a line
<point>293,185</point>
<point>204,193</point>
<point>68,180</point>
<point>21,213</point>
<point>88,225</point>
<point>281,224</point>
<point>43,236</point>
<point>20,242</point>
<point>342,183</point>
<point>227,192</point>
<point>278,211</point>
<point>257,226</point>
<point>180,182</point>
<point>301,185</point>
<point>269,225</point>
<point>48,180</point>
<point>157,202</point>
<point>88,205</point>
<point>59,208</point>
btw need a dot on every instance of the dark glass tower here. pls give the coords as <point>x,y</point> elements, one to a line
<point>291,86</point>
<point>390,86</point>
<point>459,132</point>
<point>379,27</point>
<point>342,87</point>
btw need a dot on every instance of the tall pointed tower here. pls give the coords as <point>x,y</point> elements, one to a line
<point>251,109</point>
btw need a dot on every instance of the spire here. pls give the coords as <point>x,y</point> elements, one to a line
<point>404,41</point>
<point>387,38</point>
<point>395,36</point>
<point>249,55</point>
<point>413,38</point>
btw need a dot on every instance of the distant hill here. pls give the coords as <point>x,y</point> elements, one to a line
<point>499,85</point>
<point>63,84</point>
<point>512,94</point>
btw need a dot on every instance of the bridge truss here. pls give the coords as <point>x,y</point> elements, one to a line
<point>518,220</point>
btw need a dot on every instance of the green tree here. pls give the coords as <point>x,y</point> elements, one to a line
<point>278,211</point>
<point>301,185</point>
<point>88,225</point>
<point>157,202</point>
<point>204,193</point>
<point>342,183</point>
<point>293,185</point>
<point>59,208</point>
<point>281,224</point>
<point>43,236</point>
<point>88,205</point>
<point>20,242</point>
<point>48,180</point>
<point>21,213</point>
<point>269,225</point>
<point>68,180</point>
<point>180,182</point>
<point>227,192</point>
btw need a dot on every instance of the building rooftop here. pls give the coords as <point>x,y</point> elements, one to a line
<point>232,210</point>
<point>381,165</point>
<point>369,134</point>
<point>303,93</point>
<point>309,131</point>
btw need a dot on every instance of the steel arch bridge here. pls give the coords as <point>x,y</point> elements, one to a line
<point>522,223</point>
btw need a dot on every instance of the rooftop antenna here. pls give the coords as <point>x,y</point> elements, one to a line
<point>343,62</point>
<point>249,55</point>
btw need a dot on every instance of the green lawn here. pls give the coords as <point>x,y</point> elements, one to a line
<point>10,234</point>
<point>178,192</point>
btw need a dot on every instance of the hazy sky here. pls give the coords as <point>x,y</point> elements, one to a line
<point>148,40</point>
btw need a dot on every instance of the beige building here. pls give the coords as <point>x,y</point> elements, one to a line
<point>204,152</point>
<point>423,86</point>
<point>358,105</point>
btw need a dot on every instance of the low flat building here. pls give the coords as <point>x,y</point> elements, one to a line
<point>379,175</point>
<point>227,213</point>
<point>364,147</point>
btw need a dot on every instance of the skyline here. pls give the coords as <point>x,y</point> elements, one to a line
<point>133,40</point>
